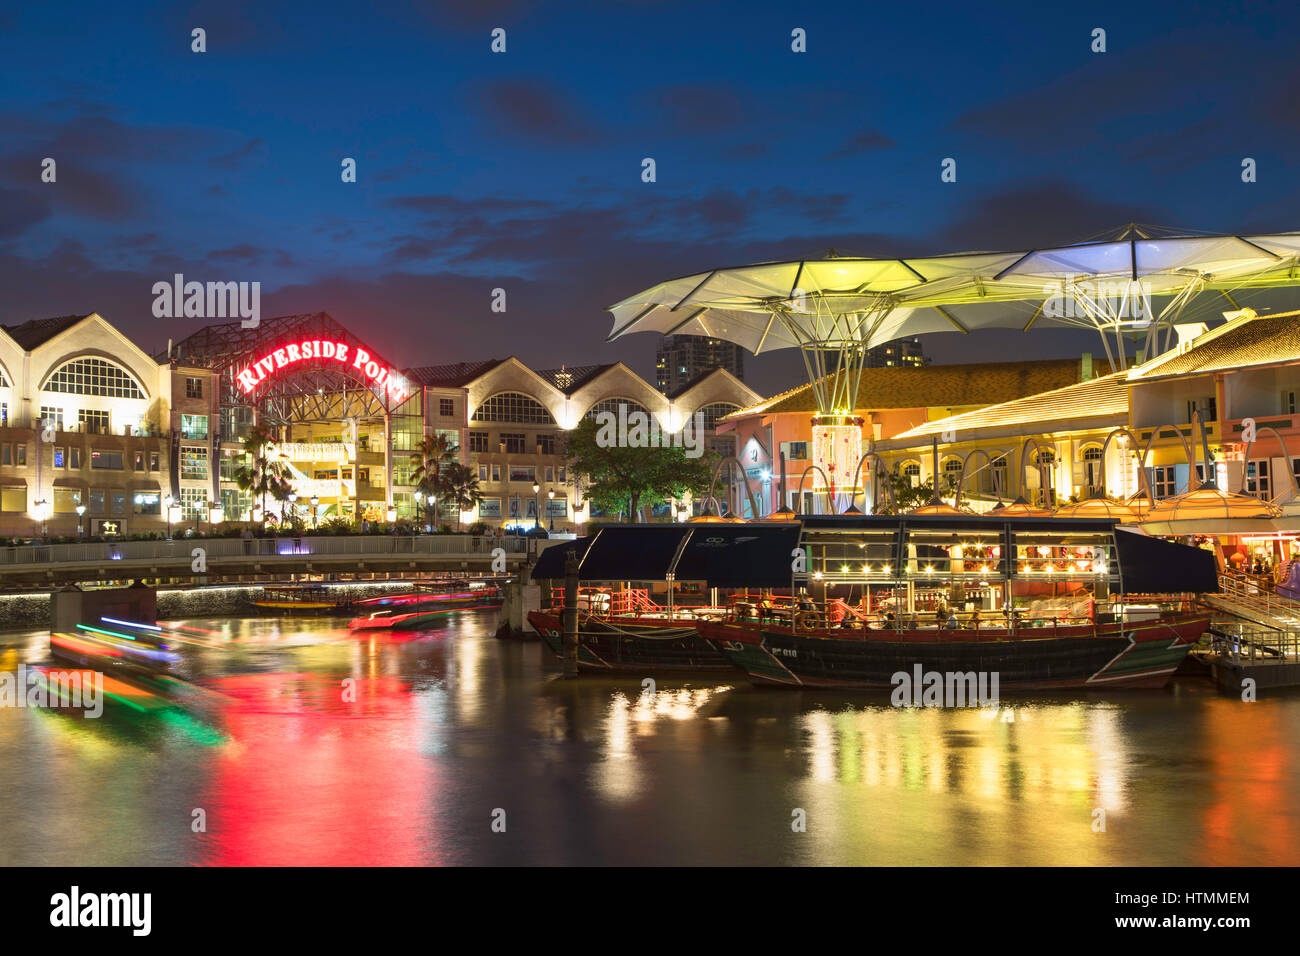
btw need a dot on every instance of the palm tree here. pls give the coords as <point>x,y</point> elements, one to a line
<point>460,486</point>
<point>259,475</point>
<point>431,458</point>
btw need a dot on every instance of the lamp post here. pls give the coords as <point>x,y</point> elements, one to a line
<point>293,510</point>
<point>433,514</point>
<point>81,510</point>
<point>315,503</point>
<point>536,507</point>
<point>167,508</point>
<point>550,512</point>
<point>40,512</point>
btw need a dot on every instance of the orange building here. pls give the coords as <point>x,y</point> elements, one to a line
<point>774,438</point>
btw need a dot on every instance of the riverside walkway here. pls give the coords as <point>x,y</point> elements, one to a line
<point>227,560</point>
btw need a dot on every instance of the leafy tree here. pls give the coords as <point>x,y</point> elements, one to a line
<point>621,479</point>
<point>906,495</point>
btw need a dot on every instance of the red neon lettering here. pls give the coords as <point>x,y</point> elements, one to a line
<point>294,354</point>
<point>362,356</point>
<point>246,379</point>
<point>341,352</point>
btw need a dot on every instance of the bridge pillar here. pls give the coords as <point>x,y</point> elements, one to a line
<point>72,606</point>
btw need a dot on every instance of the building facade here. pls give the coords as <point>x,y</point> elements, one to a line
<point>95,434</point>
<point>682,359</point>
<point>776,437</point>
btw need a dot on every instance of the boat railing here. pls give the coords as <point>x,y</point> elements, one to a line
<point>842,618</point>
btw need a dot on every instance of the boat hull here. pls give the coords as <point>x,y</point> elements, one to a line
<point>1144,654</point>
<point>426,613</point>
<point>631,645</point>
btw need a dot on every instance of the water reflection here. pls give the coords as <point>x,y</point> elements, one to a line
<point>314,746</point>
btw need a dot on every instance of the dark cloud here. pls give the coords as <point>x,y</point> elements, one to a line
<point>535,111</point>
<point>865,141</point>
<point>79,189</point>
<point>20,210</point>
<point>236,156</point>
<point>695,108</point>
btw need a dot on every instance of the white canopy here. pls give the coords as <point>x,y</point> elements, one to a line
<point>852,303</point>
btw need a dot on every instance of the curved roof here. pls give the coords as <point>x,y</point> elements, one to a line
<point>857,301</point>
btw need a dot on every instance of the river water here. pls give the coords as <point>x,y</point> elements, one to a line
<point>459,748</point>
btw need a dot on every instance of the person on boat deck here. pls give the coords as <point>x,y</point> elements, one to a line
<point>890,620</point>
<point>952,623</point>
<point>940,615</point>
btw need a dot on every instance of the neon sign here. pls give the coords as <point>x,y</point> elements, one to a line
<point>379,376</point>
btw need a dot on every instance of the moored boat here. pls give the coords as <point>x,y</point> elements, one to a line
<point>1040,603</point>
<point>621,627</point>
<point>283,599</point>
<point>419,608</point>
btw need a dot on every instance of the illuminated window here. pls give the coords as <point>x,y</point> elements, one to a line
<point>93,422</point>
<point>1257,478</point>
<point>611,405</point>
<point>512,443</point>
<point>952,473</point>
<point>52,416</point>
<point>478,441</point>
<point>193,388</point>
<point>194,427</point>
<point>194,462</point>
<point>911,470</point>
<point>715,411</point>
<point>446,407</point>
<point>1164,481</point>
<point>513,407</point>
<point>93,376</point>
<point>1092,471</point>
<point>194,502</point>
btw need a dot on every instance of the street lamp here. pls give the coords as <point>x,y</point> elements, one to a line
<point>536,508</point>
<point>550,512</point>
<point>40,512</point>
<point>81,510</point>
<point>433,514</point>
<point>167,510</point>
<point>315,503</point>
<point>293,510</point>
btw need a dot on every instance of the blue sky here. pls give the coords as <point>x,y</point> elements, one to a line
<point>522,170</point>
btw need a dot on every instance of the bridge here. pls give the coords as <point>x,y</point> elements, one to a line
<point>232,560</point>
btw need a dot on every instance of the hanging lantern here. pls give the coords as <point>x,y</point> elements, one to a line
<point>837,448</point>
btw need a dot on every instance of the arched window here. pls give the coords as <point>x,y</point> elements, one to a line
<point>1045,465</point>
<point>4,382</point>
<point>93,376</point>
<point>611,405</point>
<point>713,411</point>
<point>515,408</point>
<point>998,476</point>
<point>1094,480</point>
<point>952,473</point>
<point>911,470</point>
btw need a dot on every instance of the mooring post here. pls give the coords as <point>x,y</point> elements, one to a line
<point>571,615</point>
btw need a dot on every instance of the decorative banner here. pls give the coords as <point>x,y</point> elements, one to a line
<point>317,350</point>
<point>315,451</point>
<point>837,449</point>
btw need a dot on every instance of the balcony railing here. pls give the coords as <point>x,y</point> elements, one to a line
<point>359,546</point>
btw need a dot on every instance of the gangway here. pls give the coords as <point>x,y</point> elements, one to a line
<point>1254,634</point>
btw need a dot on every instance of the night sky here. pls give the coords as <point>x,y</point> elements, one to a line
<point>522,170</point>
